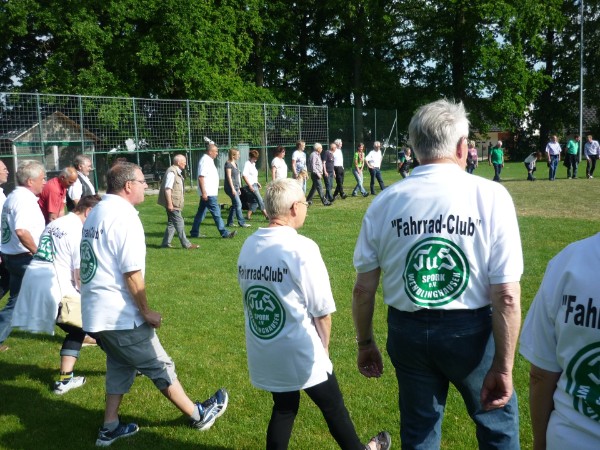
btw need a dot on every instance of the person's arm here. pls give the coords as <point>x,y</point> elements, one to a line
<point>169,199</point>
<point>26,239</point>
<point>203,193</point>
<point>273,171</point>
<point>294,174</point>
<point>77,279</point>
<point>542,385</point>
<point>323,326</point>
<point>506,320</point>
<point>369,360</point>
<point>137,289</point>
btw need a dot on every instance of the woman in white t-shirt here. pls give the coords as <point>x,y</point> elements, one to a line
<point>52,274</point>
<point>250,176</point>
<point>278,166</point>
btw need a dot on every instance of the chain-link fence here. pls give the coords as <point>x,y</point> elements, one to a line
<point>55,128</point>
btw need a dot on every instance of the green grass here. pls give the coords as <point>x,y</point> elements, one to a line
<point>203,331</point>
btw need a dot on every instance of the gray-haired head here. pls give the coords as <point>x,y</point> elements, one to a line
<point>118,175</point>
<point>436,129</point>
<point>29,169</point>
<point>79,160</point>
<point>280,195</point>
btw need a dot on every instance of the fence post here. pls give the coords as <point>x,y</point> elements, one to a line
<point>266,143</point>
<point>39,114</point>
<point>189,152</point>
<point>81,124</point>
<point>299,124</point>
<point>228,125</point>
<point>135,132</point>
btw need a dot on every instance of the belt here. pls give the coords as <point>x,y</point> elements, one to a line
<point>424,312</point>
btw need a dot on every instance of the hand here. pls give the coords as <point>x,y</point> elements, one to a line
<point>496,390</point>
<point>205,197</point>
<point>369,361</point>
<point>153,319</point>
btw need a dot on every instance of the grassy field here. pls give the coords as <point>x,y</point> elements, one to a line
<point>203,331</point>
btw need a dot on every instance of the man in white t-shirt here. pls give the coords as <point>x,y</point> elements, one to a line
<point>22,226</point>
<point>287,305</point>
<point>373,160</point>
<point>83,186</point>
<point>338,170</point>
<point>208,186</point>
<point>561,340</point>
<point>115,308</point>
<point>447,244</point>
<point>4,275</point>
<point>553,154</point>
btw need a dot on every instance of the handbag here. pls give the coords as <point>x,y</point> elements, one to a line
<point>69,311</point>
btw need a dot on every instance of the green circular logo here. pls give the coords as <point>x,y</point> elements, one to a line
<point>436,272</point>
<point>266,316</point>
<point>6,234</point>
<point>89,263</point>
<point>583,381</point>
<point>45,250</point>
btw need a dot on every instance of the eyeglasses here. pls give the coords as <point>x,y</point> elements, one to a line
<point>302,202</point>
<point>140,181</point>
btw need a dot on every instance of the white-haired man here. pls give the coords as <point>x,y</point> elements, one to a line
<point>448,246</point>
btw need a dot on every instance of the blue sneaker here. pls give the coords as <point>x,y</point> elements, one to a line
<point>106,438</point>
<point>210,410</point>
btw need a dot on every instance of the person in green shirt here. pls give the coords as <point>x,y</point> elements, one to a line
<point>496,158</point>
<point>572,157</point>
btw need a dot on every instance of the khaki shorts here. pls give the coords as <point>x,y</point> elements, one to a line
<point>128,351</point>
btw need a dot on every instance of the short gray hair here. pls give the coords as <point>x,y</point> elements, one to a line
<point>281,195</point>
<point>436,129</point>
<point>118,175</point>
<point>316,145</point>
<point>80,159</point>
<point>338,142</point>
<point>29,169</point>
<point>178,157</point>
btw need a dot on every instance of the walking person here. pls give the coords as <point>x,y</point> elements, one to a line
<point>374,159</point>
<point>287,343</point>
<point>572,156</point>
<point>451,265</point>
<point>338,169</point>
<point>592,151</point>
<point>553,154</point>
<point>472,157</point>
<point>315,164</point>
<point>233,189</point>
<point>250,175</point>
<point>496,158</point>
<point>358,164</point>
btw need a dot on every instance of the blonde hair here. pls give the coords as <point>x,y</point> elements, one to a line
<point>232,152</point>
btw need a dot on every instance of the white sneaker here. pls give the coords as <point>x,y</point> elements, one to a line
<point>246,225</point>
<point>61,387</point>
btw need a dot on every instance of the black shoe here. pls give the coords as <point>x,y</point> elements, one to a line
<point>366,194</point>
<point>326,203</point>
<point>230,235</point>
<point>343,196</point>
<point>309,202</point>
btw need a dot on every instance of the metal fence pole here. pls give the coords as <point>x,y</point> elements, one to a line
<point>228,125</point>
<point>39,114</point>
<point>135,132</point>
<point>189,152</point>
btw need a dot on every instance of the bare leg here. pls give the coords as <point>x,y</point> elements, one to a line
<point>178,397</point>
<point>111,413</point>
<point>67,363</point>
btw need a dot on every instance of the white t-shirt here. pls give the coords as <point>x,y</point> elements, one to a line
<point>553,148</point>
<point>250,172</point>
<point>113,244</point>
<point>208,170</point>
<point>338,158</point>
<point>562,334</point>
<point>441,237</point>
<point>284,285</point>
<point>21,212</point>
<point>2,200</point>
<point>49,276</point>
<point>76,189</point>
<point>280,168</point>
<point>300,158</point>
<point>591,148</point>
<point>374,158</point>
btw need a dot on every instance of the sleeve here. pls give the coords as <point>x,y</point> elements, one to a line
<point>315,278</point>
<point>538,340</point>
<point>506,261</point>
<point>76,190</point>
<point>246,171</point>
<point>366,257</point>
<point>170,180</point>
<point>129,245</point>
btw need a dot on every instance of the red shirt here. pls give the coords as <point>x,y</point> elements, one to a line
<point>52,198</point>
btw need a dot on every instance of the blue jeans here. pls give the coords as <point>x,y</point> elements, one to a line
<point>376,174</point>
<point>16,266</point>
<point>359,182</point>
<point>328,186</point>
<point>429,350</point>
<point>211,204</point>
<point>497,171</point>
<point>552,167</point>
<point>258,201</point>
<point>236,208</point>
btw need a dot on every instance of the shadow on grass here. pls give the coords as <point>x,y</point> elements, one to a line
<point>30,419</point>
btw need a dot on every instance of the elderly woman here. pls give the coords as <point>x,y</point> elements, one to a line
<point>250,175</point>
<point>278,166</point>
<point>288,321</point>
<point>232,188</point>
<point>53,274</point>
